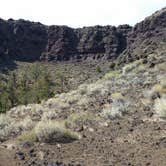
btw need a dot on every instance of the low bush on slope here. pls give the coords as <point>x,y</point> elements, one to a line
<point>116,94</point>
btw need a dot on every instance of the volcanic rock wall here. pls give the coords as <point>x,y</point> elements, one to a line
<point>29,41</point>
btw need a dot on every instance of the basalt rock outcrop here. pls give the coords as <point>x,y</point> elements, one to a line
<point>29,41</point>
<point>146,37</point>
<point>22,40</point>
<point>65,43</point>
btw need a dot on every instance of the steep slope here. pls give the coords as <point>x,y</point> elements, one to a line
<point>120,120</point>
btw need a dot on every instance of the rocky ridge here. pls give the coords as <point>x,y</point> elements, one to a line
<point>29,41</point>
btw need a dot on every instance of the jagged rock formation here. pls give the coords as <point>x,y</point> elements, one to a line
<point>22,40</point>
<point>148,36</point>
<point>65,43</point>
<point>28,41</point>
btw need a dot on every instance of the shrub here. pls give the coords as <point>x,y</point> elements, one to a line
<point>51,132</point>
<point>49,115</point>
<point>77,120</point>
<point>117,108</point>
<point>161,66</point>
<point>4,120</point>
<point>131,66</point>
<point>82,89</point>
<point>160,107</point>
<point>110,113</point>
<point>85,100</point>
<point>112,65</point>
<point>30,86</point>
<point>157,91</point>
<point>5,127</point>
<point>112,74</point>
<point>28,136</point>
<point>72,98</point>
<point>98,69</point>
<point>27,123</point>
<point>56,103</point>
<point>9,126</point>
<point>116,96</point>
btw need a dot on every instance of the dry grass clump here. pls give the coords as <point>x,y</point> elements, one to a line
<point>26,124</point>
<point>26,110</point>
<point>98,89</point>
<point>157,91</point>
<point>161,66</point>
<point>56,103</point>
<point>5,127</point>
<point>28,136</point>
<point>13,127</point>
<point>4,120</point>
<point>78,120</point>
<point>151,57</point>
<point>73,98</point>
<point>51,132</point>
<point>110,113</point>
<point>160,107</point>
<point>131,66</point>
<point>117,108</point>
<point>49,115</point>
<point>94,92</point>
<point>111,75</point>
<point>82,89</point>
<point>117,96</point>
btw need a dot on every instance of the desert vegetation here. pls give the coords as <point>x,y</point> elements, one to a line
<point>91,110</point>
<point>31,85</point>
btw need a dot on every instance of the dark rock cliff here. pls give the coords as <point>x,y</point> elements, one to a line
<point>28,41</point>
<point>22,40</point>
<point>146,37</point>
<point>65,43</point>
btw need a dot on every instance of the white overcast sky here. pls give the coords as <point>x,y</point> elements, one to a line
<point>78,13</point>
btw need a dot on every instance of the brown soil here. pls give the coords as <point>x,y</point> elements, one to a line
<point>135,139</point>
<point>7,158</point>
<point>130,141</point>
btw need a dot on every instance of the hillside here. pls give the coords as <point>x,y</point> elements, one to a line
<point>112,111</point>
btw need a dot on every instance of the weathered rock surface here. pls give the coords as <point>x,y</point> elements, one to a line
<point>29,41</point>
<point>147,37</point>
<point>22,40</point>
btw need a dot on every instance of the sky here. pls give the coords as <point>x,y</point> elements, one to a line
<point>79,13</point>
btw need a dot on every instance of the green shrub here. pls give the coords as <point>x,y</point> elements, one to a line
<point>30,86</point>
<point>112,65</point>
<point>52,132</point>
<point>28,136</point>
<point>98,69</point>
